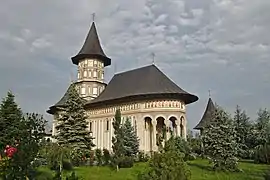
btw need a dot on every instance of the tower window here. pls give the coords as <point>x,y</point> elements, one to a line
<point>85,74</point>
<point>95,91</point>
<point>83,90</point>
<point>90,73</point>
<point>95,74</point>
<point>91,63</point>
<point>95,63</point>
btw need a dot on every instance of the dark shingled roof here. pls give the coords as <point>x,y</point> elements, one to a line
<point>92,48</point>
<point>61,102</point>
<point>207,116</point>
<point>145,81</point>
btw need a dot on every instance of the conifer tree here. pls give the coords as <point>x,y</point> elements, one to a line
<point>118,139</point>
<point>131,140</point>
<point>72,126</point>
<point>220,143</point>
<point>10,120</point>
<point>243,129</point>
<point>262,127</point>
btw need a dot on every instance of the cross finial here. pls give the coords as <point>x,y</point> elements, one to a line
<point>93,16</point>
<point>153,58</point>
<point>209,93</point>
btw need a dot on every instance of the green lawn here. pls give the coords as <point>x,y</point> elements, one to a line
<point>200,170</point>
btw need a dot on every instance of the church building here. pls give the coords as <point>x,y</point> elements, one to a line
<point>146,96</point>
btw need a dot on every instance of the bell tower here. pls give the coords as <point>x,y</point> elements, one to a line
<point>91,61</point>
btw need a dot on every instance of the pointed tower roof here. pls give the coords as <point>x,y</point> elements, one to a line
<point>92,48</point>
<point>207,116</point>
<point>143,82</point>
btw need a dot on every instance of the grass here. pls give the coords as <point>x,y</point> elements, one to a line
<point>200,170</point>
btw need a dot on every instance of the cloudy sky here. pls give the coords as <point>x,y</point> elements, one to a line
<point>222,45</point>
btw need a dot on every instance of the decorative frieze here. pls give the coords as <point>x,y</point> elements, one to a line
<point>137,106</point>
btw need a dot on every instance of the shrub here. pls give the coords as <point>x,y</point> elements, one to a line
<point>99,157</point>
<point>73,176</point>
<point>181,146</point>
<point>168,165</point>
<point>142,157</point>
<point>67,165</point>
<point>262,154</point>
<point>91,158</point>
<point>106,157</point>
<point>125,162</point>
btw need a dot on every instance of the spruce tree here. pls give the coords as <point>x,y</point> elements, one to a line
<point>262,127</point>
<point>72,126</point>
<point>243,128</point>
<point>118,139</point>
<point>220,143</point>
<point>131,140</point>
<point>10,121</point>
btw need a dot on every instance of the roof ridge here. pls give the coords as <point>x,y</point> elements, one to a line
<point>135,69</point>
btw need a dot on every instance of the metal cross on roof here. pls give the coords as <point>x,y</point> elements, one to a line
<point>209,93</point>
<point>153,58</point>
<point>93,16</point>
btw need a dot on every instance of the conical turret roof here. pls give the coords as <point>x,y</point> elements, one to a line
<point>92,48</point>
<point>207,116</point>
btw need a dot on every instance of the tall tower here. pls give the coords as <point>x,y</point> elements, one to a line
<point>91,61</point>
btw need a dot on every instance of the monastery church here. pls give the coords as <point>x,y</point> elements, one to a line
<point>145,95</point>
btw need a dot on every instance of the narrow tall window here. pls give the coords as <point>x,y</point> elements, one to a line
<point>107,126</point>
<point>90,127</point>
<point>95,74</point>
<point>95,90</point>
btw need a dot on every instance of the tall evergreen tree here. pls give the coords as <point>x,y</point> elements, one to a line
<point>131,140</point>
<point>118,139</point>
<point>72,126</point>
<point>243,128</point>
<point>10,120</point>
<point>219,141</point>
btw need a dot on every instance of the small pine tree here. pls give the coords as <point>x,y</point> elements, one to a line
<point>118,139</point>
<point>131,140</point>
<point>220,142</point>
<point>72,126</point>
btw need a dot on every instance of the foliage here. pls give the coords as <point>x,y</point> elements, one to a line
<point>142,157</point>
<point>182,146</point>
<point>91,157</point>
<point>243,128</point>
<point>117,140</point>
<point>262,154</point>
<point>262,127</point>
<point>267,175</point>
<point>168,165</point>
<point>72,126</point>
<point>131,140</point>
<point>126,162</point>
<point>10,121</point>
<point>106,157</point>
<point>23,132</point>
<point>220,143</point>
<point>73,176</point>
<point>99,157</point>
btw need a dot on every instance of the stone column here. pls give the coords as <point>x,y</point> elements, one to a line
<point>167,124</point>
<point>154,139</point>
<point>177,122</point>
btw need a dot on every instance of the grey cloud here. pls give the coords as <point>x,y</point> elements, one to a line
<point>222,45</point>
